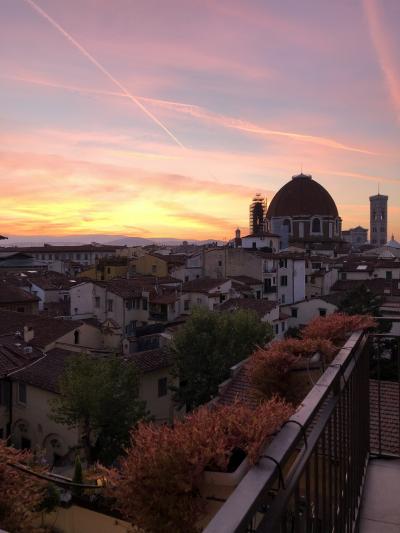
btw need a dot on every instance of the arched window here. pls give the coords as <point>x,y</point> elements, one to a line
<point>287,224</point>
<point>316,226</point>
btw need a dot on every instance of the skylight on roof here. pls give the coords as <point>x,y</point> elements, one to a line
<point>362,267</point>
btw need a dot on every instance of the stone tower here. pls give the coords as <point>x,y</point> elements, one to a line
<point>378,219</point>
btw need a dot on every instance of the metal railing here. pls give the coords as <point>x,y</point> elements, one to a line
<point>311,477</point>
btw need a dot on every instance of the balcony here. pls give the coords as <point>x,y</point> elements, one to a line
<point>335,465</point>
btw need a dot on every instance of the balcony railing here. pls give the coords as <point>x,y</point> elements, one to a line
<point>311,476</point>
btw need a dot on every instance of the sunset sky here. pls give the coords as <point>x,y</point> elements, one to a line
<point>162,118</point>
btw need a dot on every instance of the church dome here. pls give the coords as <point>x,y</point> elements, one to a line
<point>302,196</point>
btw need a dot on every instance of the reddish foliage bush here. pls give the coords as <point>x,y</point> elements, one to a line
<point>157,484</point>
<point>20,494</point>
<point>337,326</point>
<point>270,369</point>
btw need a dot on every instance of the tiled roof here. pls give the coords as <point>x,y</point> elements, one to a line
<point>46,329</point>
<point>49,281</point>
<point>261,307</point>
<point>12,354</point>
<point>166,298</point>
<point>376,285</point>
<point>389,416</point>
<point>239,388</point>
<point>150,360</point>
<point>11,294</point>
<point>202,284</point>
<point>74,248</point>
<point>247,280</point>
<point>46,373</point>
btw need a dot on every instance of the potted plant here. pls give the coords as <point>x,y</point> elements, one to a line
<point>167,475</point>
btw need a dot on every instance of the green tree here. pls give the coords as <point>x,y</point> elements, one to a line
<point>100,396</point>
<point>362,301</point>
<point>78,476</point>
<point>205,348</point>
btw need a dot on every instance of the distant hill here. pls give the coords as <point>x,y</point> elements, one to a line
<point>115,240</point>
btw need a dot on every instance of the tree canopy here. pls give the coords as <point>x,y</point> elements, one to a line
<point>361,301</point>
<point>100,396</point>
<point>205,348</point>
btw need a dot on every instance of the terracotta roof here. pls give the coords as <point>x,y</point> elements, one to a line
<point>13,355</point>
<point>375,285</point>
<point>50,281</point>
<point>239,388</point>
<point>261,307</point>
<point>167,298</point>
<point>246,280</point>
<point>202,284</point>
<point>46,329</point>
<point>389,416</point>
<point>11,294</point>
<point>46,373</point>
<point>74,248</point>
<point>302,196</point>
<point>150,360</point>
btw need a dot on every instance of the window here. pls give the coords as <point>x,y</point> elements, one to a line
<point>283,281</point>
<point>316,226</point>
<point>388,275</point>
<point>144,304</point>
<point>283,263</point>
<point>78,256</point>
<point>22,393</point>
<point>108,270</point>
<point>276,329</point>
<point>294,312</point>
<point>162,387</point>
<point>343,276</point>
<point>153,269</point>
<point>258,295</point>
<point>86,257</point>
<point>220,263</point>
<point>76,337</point>
<point>186,278</point>
<point>109,306</point>
<point>283,298</point>
<point>129,304</point>
<point>283,326</point>
<point>186,305</point>
<point>97,301</point>
<point>286,223</point>
<point>322,312</point>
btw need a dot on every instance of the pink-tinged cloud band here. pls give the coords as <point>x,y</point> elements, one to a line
<point>203,114</point>
<point>102,69</point>
<point>383,52</point>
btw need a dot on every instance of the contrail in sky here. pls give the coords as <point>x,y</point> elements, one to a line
<point>383,52</point>
<point>205,115</point>
<point>100,67</point>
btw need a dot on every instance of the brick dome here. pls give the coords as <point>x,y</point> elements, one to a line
<point>302,196</point>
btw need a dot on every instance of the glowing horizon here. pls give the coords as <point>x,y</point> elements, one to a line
<point>230,99</point>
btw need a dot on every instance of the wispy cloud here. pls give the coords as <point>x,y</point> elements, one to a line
<point>383,51</point>
<point>201,113</point>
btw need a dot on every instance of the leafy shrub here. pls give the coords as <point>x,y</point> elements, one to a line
<point>157,486</point>
<point>20,494</point>
<point>337,326</point>
<point>270,369</point>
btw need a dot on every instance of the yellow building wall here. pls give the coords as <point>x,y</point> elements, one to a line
<point>150,266</point>
<point>109,272</point>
